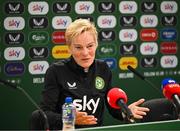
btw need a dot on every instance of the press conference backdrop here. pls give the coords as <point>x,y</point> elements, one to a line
<point>140,33</point>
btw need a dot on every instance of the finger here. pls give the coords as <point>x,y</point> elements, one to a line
<point>86,120</point>
<point>139,102</point>
<point>138,116</point>
<point>143,109</point>
<point>79,114</point>
<point>88,117</point>
<point>82,118</point>
<point>90,121</point>
<point>142,113</point>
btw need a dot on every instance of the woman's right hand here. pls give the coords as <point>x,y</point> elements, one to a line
<point>82,118</point>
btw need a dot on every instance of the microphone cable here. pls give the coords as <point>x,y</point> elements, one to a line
<point>3,82</point>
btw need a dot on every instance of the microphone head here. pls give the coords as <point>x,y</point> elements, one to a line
<point>171,89</point>
<point>114,95</point>
<point>167,81</point>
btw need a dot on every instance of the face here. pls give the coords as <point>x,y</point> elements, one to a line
<point>83,49</point>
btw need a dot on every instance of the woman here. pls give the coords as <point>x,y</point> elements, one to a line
<point>82,77</point>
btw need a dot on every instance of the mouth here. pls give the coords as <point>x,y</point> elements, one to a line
<point>85,59</point>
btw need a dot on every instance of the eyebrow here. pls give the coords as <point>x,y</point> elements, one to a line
<point>87,44</point>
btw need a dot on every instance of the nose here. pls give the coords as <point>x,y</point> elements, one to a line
<point>85,51</point>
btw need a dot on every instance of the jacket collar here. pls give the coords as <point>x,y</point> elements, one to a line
<point>77,68</point>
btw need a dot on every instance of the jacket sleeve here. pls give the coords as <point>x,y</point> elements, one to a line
<point>50,97</point>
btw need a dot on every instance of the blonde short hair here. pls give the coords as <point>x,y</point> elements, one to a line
<point>78,27</point>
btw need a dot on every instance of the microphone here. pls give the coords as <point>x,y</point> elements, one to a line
<point>167,81</point>
<point>117,99</point>
<point>172,92</point>
<point>11,85</point>
<point>143,78</point>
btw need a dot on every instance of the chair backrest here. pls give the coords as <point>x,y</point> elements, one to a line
<point>36,121</point>
<point>160,109</point>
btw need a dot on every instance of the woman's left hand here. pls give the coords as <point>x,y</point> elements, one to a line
<point>137,111</point>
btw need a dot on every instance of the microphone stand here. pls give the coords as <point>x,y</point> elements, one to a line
<point>126,112</point>
<point>143,78</point>
<point>176,102</point>
<point>46,125</point>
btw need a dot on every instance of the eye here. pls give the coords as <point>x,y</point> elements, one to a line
<point>89,46</point>
<point>78,47</point>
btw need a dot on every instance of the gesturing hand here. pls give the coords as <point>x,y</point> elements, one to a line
<point>137,111</point>
<point>83,119</point>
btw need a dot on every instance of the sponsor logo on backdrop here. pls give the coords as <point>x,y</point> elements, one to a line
<point>128,7</point>
<point>125,61</point>
<point>38,52</point>
<point>169,61</point>
<point>128,49</point>
<point>106,50</point>
<point>149,7</point>
<point>169,7</point>
<point>14,38</point>
<point>84,7</point>
<point>148,34</point>
<point>38,22</point>
<point>38,8</point>
<point>38,67</point>
<point>106,21</point>
<point>14,8</point>
<point>14,53</point>
<point>149,48</point>
<point>14,80</point>
<point>128,35</point>
<point>60,51</point>
<point>38,37</point>
<point>149,62</point>
<point>126,75</point>
<point>58,37</point>
<point>14,68</point>
<point>61,7</point>
<point>128,21</point>
<point>61,22</point>
<point>168,48</point>
<point>148,20</point>
<point>14,23</point>
<point>106,7</point>
<point>168,34</point>
<point>106,35</point>
<point>111,62</point>
<point>169,20</point>
<point>86,17</point>
<point>38,80</point>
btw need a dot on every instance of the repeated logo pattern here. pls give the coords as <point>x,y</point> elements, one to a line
<point>138,33</point>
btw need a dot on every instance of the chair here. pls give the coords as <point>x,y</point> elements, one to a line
<point>36,121</point>
<point>160,109</point>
